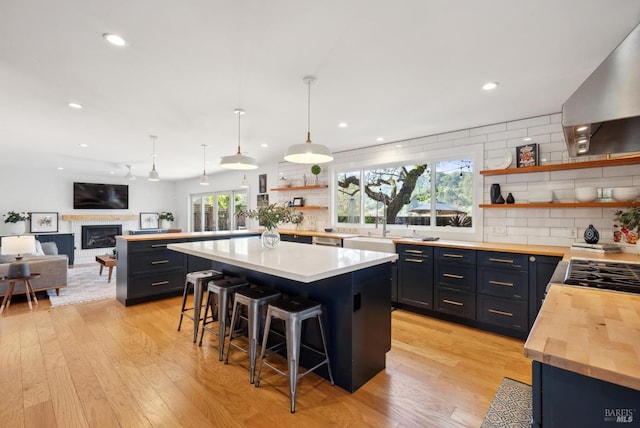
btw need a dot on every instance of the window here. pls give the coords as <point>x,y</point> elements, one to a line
<point>401,194</point>
<point>214,211</point>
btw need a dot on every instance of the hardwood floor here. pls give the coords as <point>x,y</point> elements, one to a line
<point>106,365</point>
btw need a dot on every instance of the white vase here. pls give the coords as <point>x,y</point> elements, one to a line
<point>165,224</point>
<point>17,228</point>
<point>270,238</point>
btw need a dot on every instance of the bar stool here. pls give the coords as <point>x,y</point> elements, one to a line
<point>293,311</point>
<point>196,280</point>
<point>224,289</point>
<point>255,299</point>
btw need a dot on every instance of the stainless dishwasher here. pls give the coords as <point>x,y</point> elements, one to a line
<point>329,242</point>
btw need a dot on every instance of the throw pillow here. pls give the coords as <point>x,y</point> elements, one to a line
<point>5,258</point>
<point>50,248</point>
<point>39,251</point>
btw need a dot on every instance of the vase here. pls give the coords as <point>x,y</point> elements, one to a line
<point>591,235</point>
<point>17,228</point>
<point>165,224</point>
<point>270,238</point>
<point>494,193</point>
<point>510,199</point>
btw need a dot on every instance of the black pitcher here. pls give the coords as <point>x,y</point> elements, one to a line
<point>494,194</point>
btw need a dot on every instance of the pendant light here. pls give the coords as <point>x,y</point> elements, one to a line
<point>309,153</point>
<point>238,161</point>
<point>129,176</point>
<point>244,183</point>
<point>204,180</point>
<point>153,174</point>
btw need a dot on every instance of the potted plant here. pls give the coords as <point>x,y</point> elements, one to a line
<point>315,170</point>
<point>270,217</point>
<point>166,217</point>
<point>629,221</point>
<point>16,220</point>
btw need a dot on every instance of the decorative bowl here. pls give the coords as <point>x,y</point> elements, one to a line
<point>625,194</point>
<point>540,196</point>
<point>586,194</point>
<point>328,229</point>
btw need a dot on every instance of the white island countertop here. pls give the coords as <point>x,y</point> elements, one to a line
<point>299,262</point>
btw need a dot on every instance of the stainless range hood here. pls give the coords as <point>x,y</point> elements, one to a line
<point>603,115</point>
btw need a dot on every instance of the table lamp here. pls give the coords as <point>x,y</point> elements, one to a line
<point>18,245</point>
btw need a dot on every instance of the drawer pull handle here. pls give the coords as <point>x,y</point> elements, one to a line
<point>500,260</point>
<point>158,245</point>
<point>414,260</point>
<point>159,262</point>
<point>414,251</point>
<point>451,275</point>
<point>453,302</point>
<point>453,256</point>
<point>155,284</point>
<point>495,311</point>
<point>504,284</point>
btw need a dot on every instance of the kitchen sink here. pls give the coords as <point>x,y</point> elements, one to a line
<point>371,243</point>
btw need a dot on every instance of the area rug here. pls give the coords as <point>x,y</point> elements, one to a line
<point>84,284</point>
<point>511,407</point>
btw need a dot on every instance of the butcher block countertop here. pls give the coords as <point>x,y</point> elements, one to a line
<point>588,331</point>
<point>322,234</point>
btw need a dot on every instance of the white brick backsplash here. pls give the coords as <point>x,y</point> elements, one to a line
<point>476,139</point>
<point>453,135</point>
<point>555,118</point>
<point>498,127</point>
<point>528,178</point>
<point>527,123</point>
<point>544,129</point>
<point>626,171</point>
<point>506,135</point>
<point>496,148</point>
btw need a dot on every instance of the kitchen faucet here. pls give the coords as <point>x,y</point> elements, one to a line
<point>384,218</point>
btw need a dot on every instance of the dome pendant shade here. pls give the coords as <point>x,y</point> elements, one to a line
<point>308,153</point>
<point>238,161</point>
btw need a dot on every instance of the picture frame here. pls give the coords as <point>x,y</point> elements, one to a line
<point>527,155</point>
<point>262,183</point>
<point>298,202</point>
<point>149,221</point>
<point>44,222</point>
<point>262,200</point>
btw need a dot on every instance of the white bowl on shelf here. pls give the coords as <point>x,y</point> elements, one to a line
<point>540,196</point>
<point>586,194</point>
<point>625,194</point>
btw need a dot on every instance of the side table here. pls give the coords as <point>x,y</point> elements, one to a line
<point>28,290</point>
<point>106,261</point>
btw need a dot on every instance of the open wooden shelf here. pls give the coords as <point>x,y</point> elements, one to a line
<point>311,207</point>
<point>631,160</point>
<point>614,204</point>
<point>311,186</point>
<point>71,217</point>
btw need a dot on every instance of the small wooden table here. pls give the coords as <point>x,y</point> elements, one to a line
<point>106,261</point>
<point>28,290</point>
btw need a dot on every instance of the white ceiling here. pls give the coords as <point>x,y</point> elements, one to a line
<point>396,69</point>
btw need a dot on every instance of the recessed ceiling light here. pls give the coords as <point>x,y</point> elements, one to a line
<point>342,125</point>
<point>526,139</point>
<point>379,139</point>
<point>74,105</point>
<point>111,172</point>
<point>83,145</point>
<point>582,128</point>
<point>264,145</point>
<point>398,145</point>
<point>489,86</point>
<point>114,39</point>
<point>60,168</point>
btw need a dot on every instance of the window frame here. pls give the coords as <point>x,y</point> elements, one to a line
<point>214,195</point>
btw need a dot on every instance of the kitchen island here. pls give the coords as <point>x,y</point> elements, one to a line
<point>353,286</point>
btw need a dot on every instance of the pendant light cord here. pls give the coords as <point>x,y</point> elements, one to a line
<point>239,114</point>
<point>153,160</point>
<point>309,111</point>
<point>204,159</point>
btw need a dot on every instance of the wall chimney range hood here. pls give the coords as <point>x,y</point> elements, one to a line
<point>603,116</point>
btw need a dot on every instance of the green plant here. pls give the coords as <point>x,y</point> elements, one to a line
<point>14,217</point>
<point>629,219</point>
<point>315,169</point>
<point>460,220</point>
<point>166,215</point>
<point>272,215</point>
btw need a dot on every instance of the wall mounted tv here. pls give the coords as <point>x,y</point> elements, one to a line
<point>93,196</point>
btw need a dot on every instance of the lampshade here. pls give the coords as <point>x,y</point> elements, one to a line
<point>308,152</point>
<point>153,174</point>
<point>18,245</point>
<point>238,161</point>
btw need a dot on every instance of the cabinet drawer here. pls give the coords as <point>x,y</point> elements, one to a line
<point>459,277</point>
<point>511,284</point>
<point>148,285</point>
<point>154,245</point>
<point>415,282</point>
<point>457,255</point>
<point>157,261</point>
<point>503,312</point>
<point>409,251</point>
<point>455,302</point>
<point>503,260</point>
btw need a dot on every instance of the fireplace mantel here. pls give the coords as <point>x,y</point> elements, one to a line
<point>98,217</point>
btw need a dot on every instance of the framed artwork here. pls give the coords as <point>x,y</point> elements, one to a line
<point>44,222</point>
<point>263,200</point>
<point>262,183</point>
<point>148,220</point>
<point>298,202</point>
<point>527,155</point>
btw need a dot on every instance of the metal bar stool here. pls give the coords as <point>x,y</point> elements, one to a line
<point>293,311</point>
<point>224,289</point>
<point>255,299</point>
<point>195,280</point>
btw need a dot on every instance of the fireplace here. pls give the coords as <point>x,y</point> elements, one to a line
<point>100,236</point>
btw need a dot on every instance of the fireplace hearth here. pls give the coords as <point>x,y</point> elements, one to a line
<point>100,236</point>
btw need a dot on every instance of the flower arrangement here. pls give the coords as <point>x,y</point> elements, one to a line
<point>272,215</point>
<point>166,215</point>
<point>629,221</point>
<point>14,217</point>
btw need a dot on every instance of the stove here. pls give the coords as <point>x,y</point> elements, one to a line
<point>604,274</point>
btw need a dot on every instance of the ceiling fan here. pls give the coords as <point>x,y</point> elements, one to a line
<point>129,176</point>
